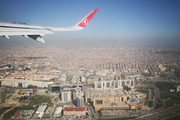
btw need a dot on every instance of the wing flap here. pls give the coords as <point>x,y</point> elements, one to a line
<point>37,38</point>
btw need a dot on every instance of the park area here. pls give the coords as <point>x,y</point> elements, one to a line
<point>38,100</point>
<point>170,99</point>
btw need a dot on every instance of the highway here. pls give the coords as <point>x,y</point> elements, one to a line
<point>161,114</point>
<point>156,96</point>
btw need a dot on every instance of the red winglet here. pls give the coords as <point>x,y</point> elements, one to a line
<point>85,21</point>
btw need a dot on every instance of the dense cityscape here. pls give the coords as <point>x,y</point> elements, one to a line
<point>89,83</point>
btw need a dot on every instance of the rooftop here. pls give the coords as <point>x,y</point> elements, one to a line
<point>75,109</point>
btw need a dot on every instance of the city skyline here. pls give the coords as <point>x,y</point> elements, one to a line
<point>117,23</point>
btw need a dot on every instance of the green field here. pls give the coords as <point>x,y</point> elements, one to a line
<point>171,102</point>
<point>143,91</point>
<point>152,88</point>
<point>150,103</point>
<point>168,95</point>
<point>37,100</point>
<point>164,85</point>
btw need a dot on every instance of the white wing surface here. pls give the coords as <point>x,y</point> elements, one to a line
<point>35,32</point>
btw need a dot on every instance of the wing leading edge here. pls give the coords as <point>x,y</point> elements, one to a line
<point>35,32</point>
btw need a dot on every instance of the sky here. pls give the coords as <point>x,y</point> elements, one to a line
<point>134,23</point>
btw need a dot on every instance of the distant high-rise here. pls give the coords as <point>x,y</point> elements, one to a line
<point>66,95</point>
<point>78,100</point>
<point>77,93</point>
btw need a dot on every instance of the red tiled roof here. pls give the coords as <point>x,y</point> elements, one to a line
<point>75,109</point>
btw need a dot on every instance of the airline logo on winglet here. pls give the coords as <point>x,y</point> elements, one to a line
<point>85,21</point>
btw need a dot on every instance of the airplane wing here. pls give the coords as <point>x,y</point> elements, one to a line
<point>35,32</point>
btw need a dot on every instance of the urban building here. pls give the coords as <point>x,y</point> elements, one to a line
<point>39,112</point>
<point>114,84</point>
<point>57,112</point>
<point>78,111</point>
<point>77,92</point>
<point>114,99</point>
<point>63,77</point>
<point>66,95</point>
<point>103,99</point>
<point>83,78</point>
<point>178,88</point>
<point>118,77</point>
<point>58,88</point>
<point>80,102</point>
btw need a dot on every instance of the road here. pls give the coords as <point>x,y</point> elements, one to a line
<point>89,111</point>
<point>156,96</point>
<point>161,114</point>
<point>54,106</point>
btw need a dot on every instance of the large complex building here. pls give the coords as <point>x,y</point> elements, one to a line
<point>114,99</point>
<point>114,84</point>
<point>102,99</point>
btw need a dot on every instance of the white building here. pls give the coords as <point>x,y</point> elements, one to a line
<point>25,83</point>
<point>114,84</point>
<point>57,112</point>
<point>66,95</point>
